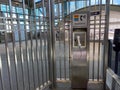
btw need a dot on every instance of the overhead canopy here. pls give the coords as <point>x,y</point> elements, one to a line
<point>14,2</point>
<point>38,2</point>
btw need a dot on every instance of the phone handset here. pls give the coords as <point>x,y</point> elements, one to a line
<point>79,42</point>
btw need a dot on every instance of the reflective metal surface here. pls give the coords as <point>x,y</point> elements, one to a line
<point>35,48</point>
<point>24,62</point>
<point>79,64</point>
<point>96,30</point>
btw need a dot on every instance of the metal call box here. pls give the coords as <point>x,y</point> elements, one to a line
<point>79,66</point>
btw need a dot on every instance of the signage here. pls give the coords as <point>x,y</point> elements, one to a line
<point>80,20</point>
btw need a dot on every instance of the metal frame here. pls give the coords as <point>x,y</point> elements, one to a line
<point>30,53</point>
<point>25,54</point>
<point>96,18</point>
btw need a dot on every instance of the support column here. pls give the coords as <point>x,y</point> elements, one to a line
<point>105,52</point>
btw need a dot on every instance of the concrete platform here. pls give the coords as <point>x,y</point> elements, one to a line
<point>67,86</point>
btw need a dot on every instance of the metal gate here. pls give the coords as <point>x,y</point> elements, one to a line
<point>24,31</point>
<point>27,41</point>
<point>62,42</point>
<point>98,18</point>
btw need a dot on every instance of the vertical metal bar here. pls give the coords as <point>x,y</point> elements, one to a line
<point>16,61</point>
<point>13,44</point>
<point>58,29</point>
<point>1,81</point>
<point>105,51</point>
<point>64,54</point>
<point>56,44</point>
<point>98,43</point>
<point>32,33</point>
<point>38,73</point>
<point>26,42</point>
<point>64,7</point>
<point>56,9</point>
<point>46,61</point>
<point>20,51</point>
<point>60,44</point>
<point>53,41</point>
<point>8,59</point>
<point>46,55</point>
<point>100,8</point>
<point>95,18</point>
<point>52,50</point>
<point>43,41</point>
<point>94,48</point>
<point>61,36</point>
<point>49,47</point>
<point>48,44</point>
<point>93,42</point>
<point>47,41</point>
<point>36,46</point>
<point>47,52</point>
<point>40,53</point>
<point>70,55</point>
<point>45,49</point>
<point>89,9</point>
<point>88,49</point>
<point>31,46</point>
<point>8,56</point>
<point>42,66</point>
<point>64,44</point>
<point>69,40</point>
<point>44,36</point>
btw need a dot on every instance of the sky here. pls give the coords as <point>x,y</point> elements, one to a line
<point>37,0</point>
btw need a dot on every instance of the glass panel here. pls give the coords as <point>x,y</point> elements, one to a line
<point>40,12</point>
<point>80,4</point>
<point>37,0</point>
<point>116,2</point>
<point>103,1</point>
<point>20,10</point>
<point>3,7</point>
<point>72,6</point>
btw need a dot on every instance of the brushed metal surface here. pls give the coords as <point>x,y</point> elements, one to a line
<point>79,76</point>
<point>79,70</point>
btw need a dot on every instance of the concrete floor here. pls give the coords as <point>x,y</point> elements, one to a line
<point>67,86</point>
